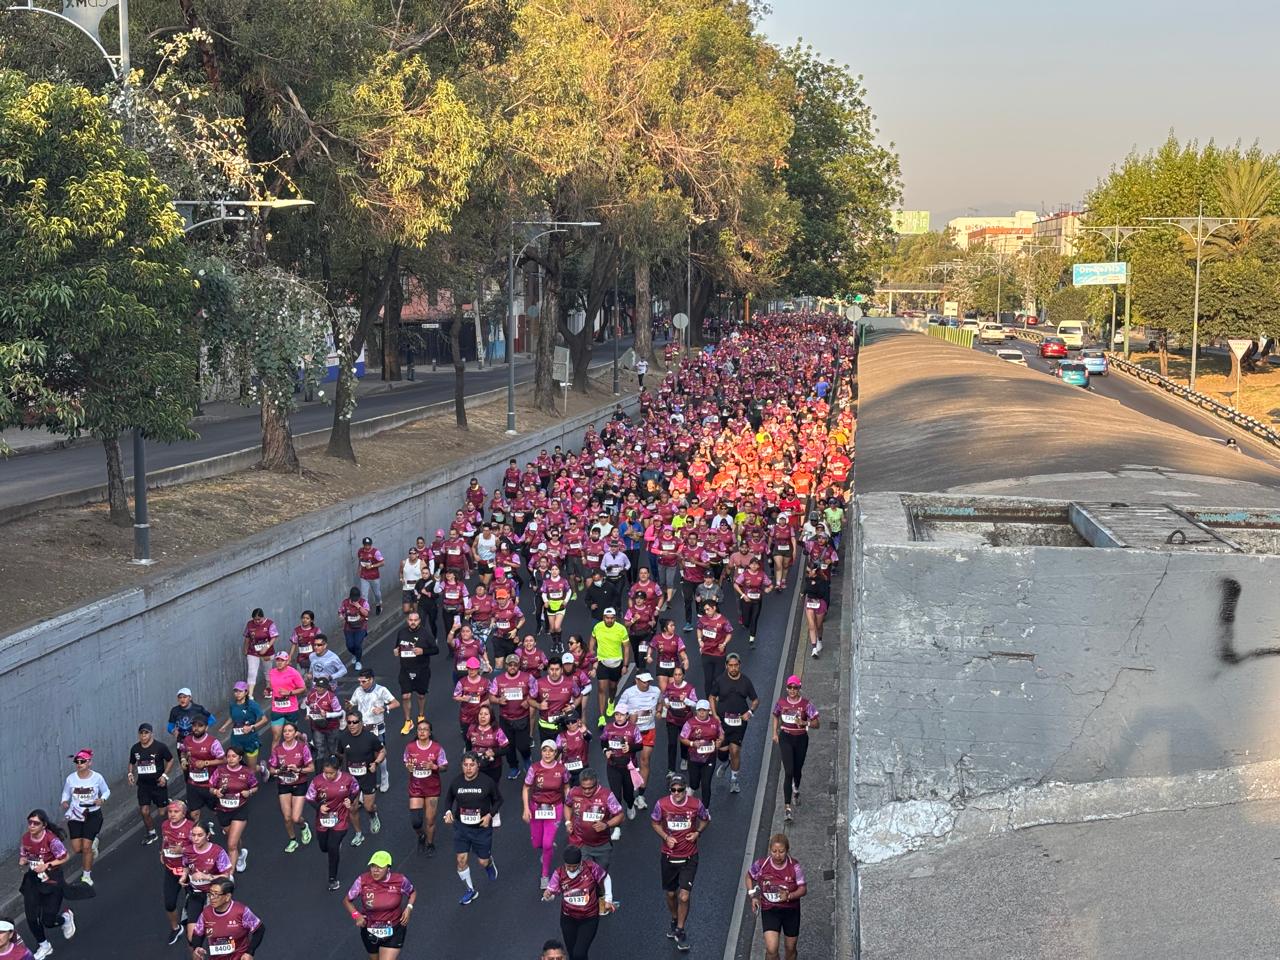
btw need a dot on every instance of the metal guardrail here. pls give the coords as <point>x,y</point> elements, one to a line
<point>961,338</point>
<point>1205,402</point>
<point>1031,336</point>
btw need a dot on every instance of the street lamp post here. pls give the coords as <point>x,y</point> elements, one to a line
<point>1199,236</point>
<point>617,323</point>
<point>1118,234</point>
<point>557,226</point>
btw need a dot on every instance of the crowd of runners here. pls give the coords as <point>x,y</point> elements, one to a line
<point>671,529</point>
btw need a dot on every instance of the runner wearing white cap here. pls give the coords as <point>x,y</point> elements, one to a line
<point>641,702</point>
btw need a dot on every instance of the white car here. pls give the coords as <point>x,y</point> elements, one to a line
<point>991,333</point>
<point>1012,356</point>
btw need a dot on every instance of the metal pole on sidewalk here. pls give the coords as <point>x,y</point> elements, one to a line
<point>511,331</point>
<point>141,518</point>
<point>617,322</point>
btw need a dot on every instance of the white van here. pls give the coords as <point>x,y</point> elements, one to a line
<point>1072,334</point>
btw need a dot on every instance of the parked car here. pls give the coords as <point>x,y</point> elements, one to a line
<point>991,333</point>
<point>1053,347</point>
<point>1095,361</point>
<point>1072,372</point>
<point>1012,356</point>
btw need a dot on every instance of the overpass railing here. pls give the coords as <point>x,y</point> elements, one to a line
<point>1202,400</point>
<point>962,338</point>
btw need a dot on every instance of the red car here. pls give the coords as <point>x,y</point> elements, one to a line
<point>1053,347</point>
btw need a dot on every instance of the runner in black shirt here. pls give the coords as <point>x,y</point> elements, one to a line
<point>414,648</point>
<point>733,699</point>
<point>149,763</point>
<point>471,805</point>
<point>361,751</point>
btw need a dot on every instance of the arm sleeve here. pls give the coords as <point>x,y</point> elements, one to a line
<point>255,939</point>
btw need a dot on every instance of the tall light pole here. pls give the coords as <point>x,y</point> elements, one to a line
<point>1118,234</point>
<point>556,226</point>
<point>617,323</point>
<point>87,18</point>
<point>1195,228</point>
<point>688,289</point>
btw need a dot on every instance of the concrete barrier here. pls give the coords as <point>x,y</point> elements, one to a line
<point>88,677</point>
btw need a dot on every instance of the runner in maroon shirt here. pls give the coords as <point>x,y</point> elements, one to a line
<point>260,635</point>
<point>679,819</point>
<point>43,853</point>
<point>371,562</point>
<point>292,764</point>
<point>586,893</point>
<point>775,885</point>
<point>545,786</point>
<point>514,692</point>
<point>303,639</point>
<point>334,794</point>
<point>11,945</point>
<point>203,863</point>
<point>233,784</point>
<point>592,813</point>
<point>226,930</point>
<point>175,844</point>
<point>380,903</point>
<point>702,736</point>
<point>426,761</point>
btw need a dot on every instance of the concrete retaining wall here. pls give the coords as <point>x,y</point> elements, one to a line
<point>90,676</point>
<point>979,669</point>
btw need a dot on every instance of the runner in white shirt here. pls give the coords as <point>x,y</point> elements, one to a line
<point>410,573</point>
<point>83,794</point>
<point>373,700</point>
<point>641,701</point>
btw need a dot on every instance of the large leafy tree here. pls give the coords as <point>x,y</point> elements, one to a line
<point>842,181</point>
<point>95,299</point>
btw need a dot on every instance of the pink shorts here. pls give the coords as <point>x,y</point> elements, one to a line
<point>815,606</point>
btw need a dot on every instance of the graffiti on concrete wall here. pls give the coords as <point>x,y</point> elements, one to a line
<point>1229,601</point>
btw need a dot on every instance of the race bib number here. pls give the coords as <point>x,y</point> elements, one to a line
<point>461,666</point>
<point>262,648</point>
<point>544,811</point>
<point>812,604</point>
<point>222,947</point>
<point>617,745</point>
<point>358,769</point>
<point>792,719</point>
<point>288,776</point>
<point>353,618</point>
<point>592,816</point>
<point>199,776</point>
<point>421,774</point>
<point>666,664</point>
<point>304,648</point>
<point>242,731</point>
<point>577,899</point>
<point>406,652</point>
<point>753,594</point>
<point>513,693</point>
<point>280,704</point>
<point>573,766</point>
<point>709,634</point>
<point>706,748</point>
<point>773,896</point>
<point>382,931</point>
<point>470,817</point>
<point>678,825</point>
<point>173,853</point>
<point>145,769</point>
<point>733,721</point>
<point>328,820</point>
<point>229,803</point>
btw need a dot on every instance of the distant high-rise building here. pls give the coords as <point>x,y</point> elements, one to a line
<point>964,226</point>
<point>1059,230</point>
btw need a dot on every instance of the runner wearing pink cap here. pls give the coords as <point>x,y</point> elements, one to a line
<point>793,717</point>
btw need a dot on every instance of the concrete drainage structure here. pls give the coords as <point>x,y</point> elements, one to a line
<point>1023,661</point>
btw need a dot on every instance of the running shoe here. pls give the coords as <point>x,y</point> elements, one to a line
<point>333,884</point>
<point>357,839</point>
<point>544,883</point>
<point>615,834</point>
<point>375,824</point>
<point>377,611</point>
<point>422,842</point>
<point>358,666</point>
<point>385,783</point>
<point>469,897</point>
<point>306,833</point>
<point>86,879</point>
<point>720,769</point>
<point>242,861</point>
<point>513,773</point>
<point>408,725</point>
<point>682,941</point>
<point>175,935</point>
<point>431,849</point>
<point>787,815</point>
<point>150,837</point>
<point>817,649</point>
<point>609,708</point>
<point>796,797</point>
<point>641,802</point>
<point>95,848</point>
<point>600,723</point>
<point>688,628</point>
<point>491,871</point>
<point>291,846</point>
<point>735,786</point>
<point>44,950</point>
<point>684,764</point>
<point>68,924</point>
<point>672,930</point>
<point>751,641</point>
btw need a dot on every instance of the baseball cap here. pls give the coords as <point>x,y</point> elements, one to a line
<point>322,681</point>
<point>85,754</point>
<point>646,676</point>
<point>567,658</point>
<point>610,612</point>
<point>702,705</point>
<point>145,728</point>
<point>473,663</point>
<point>510,658</point>
<point>184,692</point>
<point>282,655</point>
<point>239,685</point>
<point>676,778</point>
<point>380,859</point>
<point>368,542</point>
<point>793,681</point>
<point>547,743</point>
<point>733,656</point>
<point>571,855</point>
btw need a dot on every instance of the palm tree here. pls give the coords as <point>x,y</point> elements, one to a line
<point>1247,188</point>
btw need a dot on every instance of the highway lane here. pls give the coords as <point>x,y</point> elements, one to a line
<point>125,918</point>
<point>38,475</point>
<point>1144,400</point>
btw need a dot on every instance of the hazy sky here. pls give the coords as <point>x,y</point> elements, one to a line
<point>995,103</point>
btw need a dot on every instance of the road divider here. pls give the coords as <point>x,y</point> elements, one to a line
<point>961,338</point>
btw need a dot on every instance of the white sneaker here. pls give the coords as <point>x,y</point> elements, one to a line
<point>497,820</point>
<point>68,924</point>
<point>242,860</point>
<point>616,834</point>
<point>817,649</point>
<point>631,813</point>
<point>641,803</point>
<point>43,950</point>
<point>86,879</point>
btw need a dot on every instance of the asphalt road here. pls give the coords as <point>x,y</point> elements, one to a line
<point>37,475</point>
<point>125,916</point>
<point>1144,400</point>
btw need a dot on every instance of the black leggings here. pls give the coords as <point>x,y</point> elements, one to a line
<point>620,783</point>
<point>689,589</point>
<point>750,610</point>
<point>674,746</point>
<point>518,745</point>
<point>578,934</point>
<point>712,667</point>
<point>700,776</point>
<point>793,747</point>
<point>427,610</point>
<point>331,843</point>
<point>43,905</point>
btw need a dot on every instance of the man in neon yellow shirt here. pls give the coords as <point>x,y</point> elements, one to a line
<point>613,654</point>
